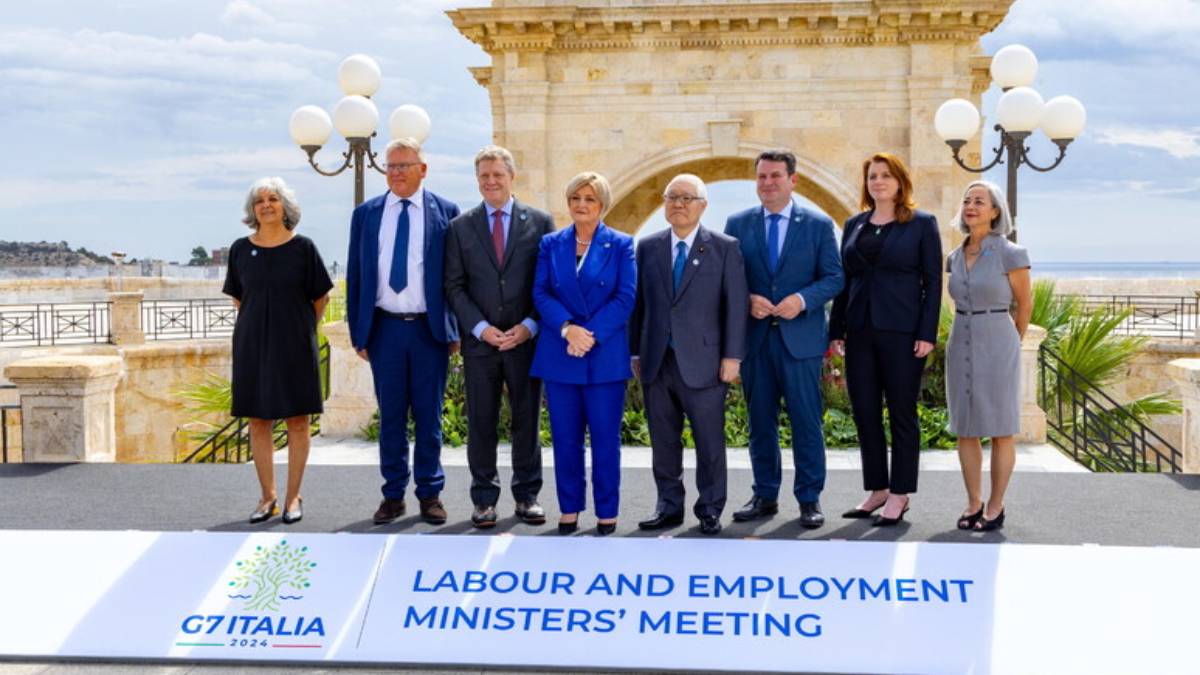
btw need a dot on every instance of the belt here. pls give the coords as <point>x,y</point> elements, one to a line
<point>403,316</point>
<point>982,311</point>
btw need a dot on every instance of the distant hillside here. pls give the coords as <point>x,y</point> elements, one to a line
<point>30,254</point>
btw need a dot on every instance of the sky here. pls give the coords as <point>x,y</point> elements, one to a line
<point>138,125</point>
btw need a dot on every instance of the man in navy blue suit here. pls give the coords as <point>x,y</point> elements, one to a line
<point>792,269</point>
<point>398,321</point>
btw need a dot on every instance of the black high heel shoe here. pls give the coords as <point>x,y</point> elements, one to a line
<point>605,529</point>
<point>968,522</point>
<point>985,525</point>
<point>565,528</point>
<point>883,521</point>
<point>858,512</point>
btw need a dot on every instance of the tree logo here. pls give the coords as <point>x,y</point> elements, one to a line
<point>267,572</point>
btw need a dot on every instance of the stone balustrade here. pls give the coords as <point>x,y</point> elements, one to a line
<point>351,399</point>
<point>1033,418</point>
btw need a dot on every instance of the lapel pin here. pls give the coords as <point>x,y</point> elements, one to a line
<point>607,244</point>
<point>700,250</point>
<point>695,261</point>
<point>523,215</point>
<point>253,251</point>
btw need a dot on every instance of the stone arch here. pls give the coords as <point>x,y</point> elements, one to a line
<point>638,192</point>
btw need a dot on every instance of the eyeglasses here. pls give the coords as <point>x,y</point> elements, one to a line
<point>686,200</point>
<point>401,167</point>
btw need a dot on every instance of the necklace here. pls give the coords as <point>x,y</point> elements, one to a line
<point>582,242</point>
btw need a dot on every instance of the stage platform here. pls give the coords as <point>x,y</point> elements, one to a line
<point>1045,506</point>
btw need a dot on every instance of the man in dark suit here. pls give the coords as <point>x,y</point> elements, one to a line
<point>491,256</point>
<point>687,339</point>
<point>792,269</point>
<point>399,322</point>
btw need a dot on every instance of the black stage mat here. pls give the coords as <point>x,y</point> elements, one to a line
<point>1043,508</point>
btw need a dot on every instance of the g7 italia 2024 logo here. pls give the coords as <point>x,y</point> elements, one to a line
<point>266,584</point>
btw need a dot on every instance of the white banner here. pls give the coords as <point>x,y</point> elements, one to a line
<point>588,602</point>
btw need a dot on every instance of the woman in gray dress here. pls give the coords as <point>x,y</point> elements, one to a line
<point>988,274</point>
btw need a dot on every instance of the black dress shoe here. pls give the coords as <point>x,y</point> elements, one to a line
<point>531,512</point>
<point>484,516</point>
<point>605,529</point>
<point>756,508</point>
<point>710,524</point>
<point>810,515</point>
<point>660,520</point>
<point>389,510</point>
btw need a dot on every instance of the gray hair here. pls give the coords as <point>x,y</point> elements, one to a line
<point>690,179</point>
<point>494,152</point>
<point>405,143</point>
<point>596,182</point>
<point>291,208</point>
<point>1001,224</point>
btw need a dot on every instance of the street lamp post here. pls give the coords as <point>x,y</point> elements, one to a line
<point>355,118</point>
<point>1019,112</point>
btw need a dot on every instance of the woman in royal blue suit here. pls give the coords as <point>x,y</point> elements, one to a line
<point>584,292</point>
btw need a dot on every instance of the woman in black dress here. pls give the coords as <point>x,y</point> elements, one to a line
<point>279,284</point>
<point>886,323</point>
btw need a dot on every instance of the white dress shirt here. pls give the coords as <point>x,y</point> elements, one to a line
<point>688,241</point>
<point>783,230</point>
<point>412,299</point>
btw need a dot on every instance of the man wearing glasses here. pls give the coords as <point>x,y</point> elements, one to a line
<point>687,338</point>
<point>399,323</point>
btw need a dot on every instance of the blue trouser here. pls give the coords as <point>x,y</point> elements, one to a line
<point>768,374</point>
<point>599,408</point>
<point>409,368</point>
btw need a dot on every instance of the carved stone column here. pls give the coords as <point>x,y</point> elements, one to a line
<point>1033,418</point>
<point>67,407</point>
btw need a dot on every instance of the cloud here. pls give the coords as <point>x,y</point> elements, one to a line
<point>1104,25</point>
<point>245,14</point>
<point>1179,143</point>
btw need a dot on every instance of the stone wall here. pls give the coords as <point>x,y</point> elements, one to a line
<point>47,290</point>
<point>1149,373</point>
<point>149,409</point>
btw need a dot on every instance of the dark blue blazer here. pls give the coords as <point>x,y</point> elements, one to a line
<point>362,268</point>
<point>600,298</point>
<point>902,291</point>
<point>808,264</point>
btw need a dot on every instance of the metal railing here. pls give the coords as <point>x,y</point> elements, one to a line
<point>1093,428</point>
<point>231,443</point>
<point>1162,316</point>
<point>188,319</point>
<point>36,325</point>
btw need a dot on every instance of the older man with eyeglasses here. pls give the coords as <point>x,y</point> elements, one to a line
<point>396,309</point>
<point>687,339</point>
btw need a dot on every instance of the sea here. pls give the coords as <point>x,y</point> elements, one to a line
<point>1117,270</point>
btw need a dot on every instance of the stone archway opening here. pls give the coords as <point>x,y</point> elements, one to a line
<point>636,199</point>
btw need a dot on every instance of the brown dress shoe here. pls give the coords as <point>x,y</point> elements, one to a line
<point>389,510</point>
<point>432,511</point>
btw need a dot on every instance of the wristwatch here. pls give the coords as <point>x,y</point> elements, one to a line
<point>563,332</point>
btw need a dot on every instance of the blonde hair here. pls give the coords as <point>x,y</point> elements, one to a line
<point>595,181</point>
<point>494,152</point>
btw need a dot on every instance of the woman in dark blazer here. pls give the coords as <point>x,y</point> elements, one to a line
<point>885,321</point>
<point>584,291</point>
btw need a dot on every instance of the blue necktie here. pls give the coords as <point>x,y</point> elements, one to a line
<point>398,279</point>
<point>680,264</point>
<point>773,240</point>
